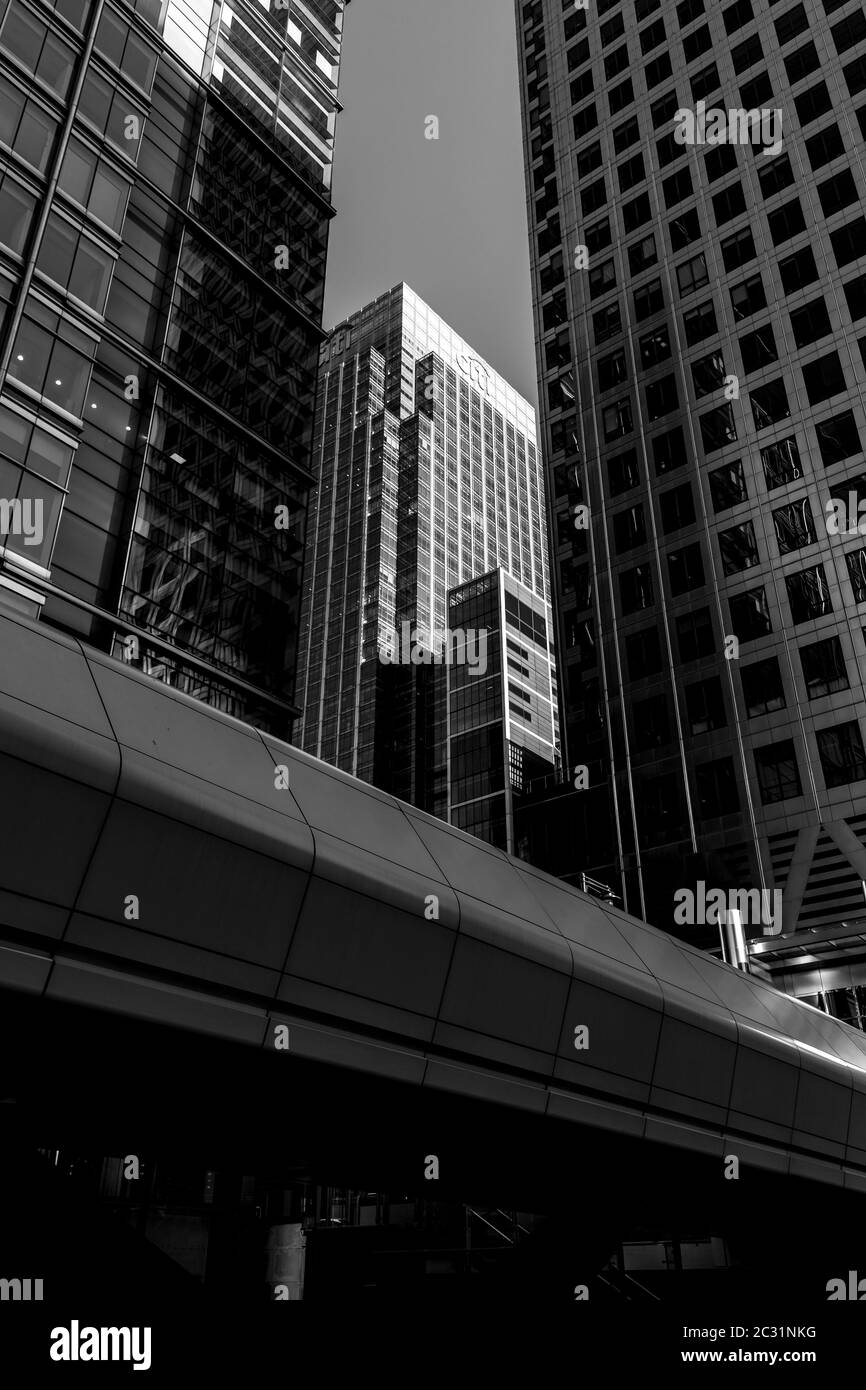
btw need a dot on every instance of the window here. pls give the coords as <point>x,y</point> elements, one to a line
<point>716,786</point>
<point>612,29</point>
<point>727,486</point>
<point>801,62</point>
<point>729,203</point>
<point>651,723</point>
<point>799,270</point>
<point>626,135</point>
<point>652,36</point>
<point>656,71</point>
<point>705,82</point>
<point>644,8</point>
<point>75,262</point>
<point>776,766</point>
<point>738,547</point>
<point>17,207</point>
<point>696,43</point>
<point>843,758</point>
<point>53,358</point>
<point>667,150</point>
<point>837,193</point>
<point>786,222</point>
<point>636,589</point>
<point>616,62</point>
<point>37,48</point>
<point>589,159</point>
<point>683,230</point>
<point>763,691</point>
<point>795,526</point>
<point>597,237</point>
<point>810,323</point>
<point>689,10</point>
<point>622,472</point>
<point>643,653</point>
<point>582,86</point>
<point>663,110</point>
<point>661,397</point>
<point>717,428</point>
<point>790,24</point>
<point>855,297</point>
<point>93,184</point>
<point>621,97</point>
<point>606,322</point>
<point>736,15</point>
<point>617,419</point>
<point>648,300</point>
<point>700,323</point>
<point>825,146</point>
<point>584,120</point>
<point>692,275</point>
<point>848,242</point>
<point>25,127</point>
<point>750,615</point>
<point>629,528</point>
<point>116,42</point>
<point>635,213</point>
<point>630,173</point>
<point>856,562</point>
<point>758,349</point>
<point>677,186</point>
<point>748,297</point>
<point>677,508</point>
<point>824,378</point>
<point>593,197</point>
<point>781,463</point>
<point>720,161</point>
<point>769,404</point>
<point>107,110</point>
<point>708,374</point>
<point>855,76</point>
<point>808,594</point>
<point>838,438</point>
<point>849,31</point>
<point>695,635</point>
<point>775,175</point>
<point>685,569</point>
<point>705,706</point>
<point>746,55</point>
<point>601,279</point>
<point>655,347</point>
<point>611,370</point>
<point>813,103</point>
<point>642,255</point>
<point>824,669</point>
<point>669,451</point>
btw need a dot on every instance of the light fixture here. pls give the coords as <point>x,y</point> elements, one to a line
<point>21,357</point>
<point>177,458</point>
<point>57,381</point>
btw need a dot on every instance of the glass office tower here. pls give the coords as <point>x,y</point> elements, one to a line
<point>165,171</point>
<point>428,476</point>
<point>700,312</point>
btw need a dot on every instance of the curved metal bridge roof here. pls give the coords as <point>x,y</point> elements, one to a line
<point>314,907</point>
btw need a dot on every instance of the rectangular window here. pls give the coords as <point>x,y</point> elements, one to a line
<point>685,569</point>
<point>736,15</point>
<point>824,378</point>
<point>636,589</point>
<point>801,62</point>
<point>652,36</point>
<point>758,349</point>
<point>676,508</point>
<point>705,706</point>
<point>606,323</point>
<point>795,526</point>
<point>769,404</point>
<point>622,472</point>
<point>778,778</point>
<point>700,323</point>
<point>838,438</point>
<point>856,562</point>
<point>746,55</point>
<point>720,161</point>
<point>705,82</point>
<point>656,71</point>
<point>695,635</point>
<point>648,300</point>
<point>629,528</point>
<point>799,270</point>
<point>763,691</point>
<point>601,279</point>
<point>837,193</point>
<point>750,615</point>
<point>813,103</point>
<point>728,204</point>
<point>636,213</point>
<point>738,249</point>
<point>775,175</point>
<point>781,462</point>
<point>738,548</point>
<point>692,274</point>
<point>642,255</point>
<point>617,419</point>
<point>849,242</point>
<point>825,146</point>
<point>708,374</point>
<point>621,97</point>
<point>677,186</point>
<point>824,669</point>
<point>626,135</point>
<point>786,222</point>
<point>717,428</point>
<point>655,347</point>
<point>747,298</point>
<point>808,594</point>
<point>611,371</point>
<point>697,42</point>
<point>616,62</point>
<point>663,109</point>
<point>643,653</point>
<point>669,451</point>
<point>728,486</point>
<point>685,229</point>
<point>631,173</point>
<point>790,24</point>
<point>843,758</point>
<point>716,786</point>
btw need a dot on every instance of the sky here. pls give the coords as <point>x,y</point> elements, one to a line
<point>448,216</point>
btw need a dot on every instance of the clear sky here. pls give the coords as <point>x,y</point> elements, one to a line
<point>448,216</point>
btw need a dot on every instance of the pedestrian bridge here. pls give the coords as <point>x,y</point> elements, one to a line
<point>161,861</point>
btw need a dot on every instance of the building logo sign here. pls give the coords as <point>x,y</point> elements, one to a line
<point>478,374</point>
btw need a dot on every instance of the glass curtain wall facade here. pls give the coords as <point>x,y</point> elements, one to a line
<point>165,173</point>
<point>502,712</point>
<point>700,316</point>
<point>428,476</point>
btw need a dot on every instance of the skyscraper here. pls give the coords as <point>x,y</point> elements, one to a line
<point>164,209</point>
<point>428,476</point>
<point>700,294</point>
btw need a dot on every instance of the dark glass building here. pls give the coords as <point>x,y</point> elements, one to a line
<point>700,333</point>
<point>164,211</point>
